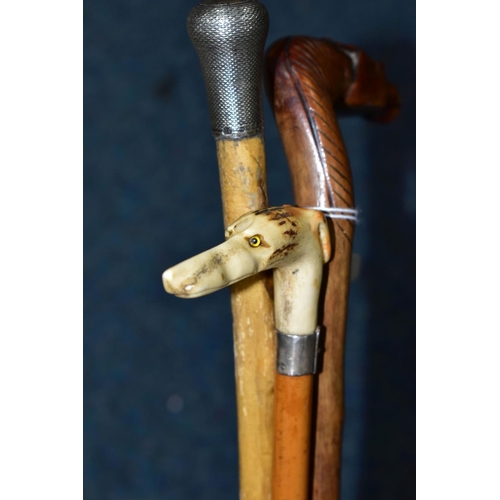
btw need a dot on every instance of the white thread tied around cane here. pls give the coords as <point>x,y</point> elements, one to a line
<point>338,213</point>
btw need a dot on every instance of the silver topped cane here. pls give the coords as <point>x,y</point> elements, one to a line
<point>229,37</point>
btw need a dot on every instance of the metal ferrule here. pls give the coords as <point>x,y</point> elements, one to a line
<point>229,36</point>
<point>297,354</point>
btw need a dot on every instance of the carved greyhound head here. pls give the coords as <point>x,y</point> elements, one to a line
<point>293,241</point>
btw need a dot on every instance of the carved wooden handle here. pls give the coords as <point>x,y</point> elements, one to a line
<point>306,78</point>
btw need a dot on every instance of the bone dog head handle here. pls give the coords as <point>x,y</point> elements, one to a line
<point>292,241</point>
<point>295,243</point>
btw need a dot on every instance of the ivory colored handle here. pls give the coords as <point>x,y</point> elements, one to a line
<point>295,243</point>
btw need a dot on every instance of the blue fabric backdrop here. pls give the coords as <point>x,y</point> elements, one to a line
<point>159,393</point>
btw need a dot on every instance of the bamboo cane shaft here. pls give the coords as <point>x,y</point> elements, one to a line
<point>242,169</point>
<point>293,400</point>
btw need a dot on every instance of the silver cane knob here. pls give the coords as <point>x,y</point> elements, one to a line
<point>229,36</point>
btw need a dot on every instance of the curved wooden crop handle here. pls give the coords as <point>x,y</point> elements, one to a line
<point>306,78</point>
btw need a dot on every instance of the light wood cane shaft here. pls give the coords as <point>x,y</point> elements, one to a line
<point>292,437</point>
<point>242,169</point>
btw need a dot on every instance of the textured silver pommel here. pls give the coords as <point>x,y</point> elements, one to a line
<point>229,36</point>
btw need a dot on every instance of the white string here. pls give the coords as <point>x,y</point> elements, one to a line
<point>338,213</point>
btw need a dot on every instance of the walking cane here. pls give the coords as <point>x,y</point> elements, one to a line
<point>306,78</point>
<point>229,36</point>
<point>295,243</point>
